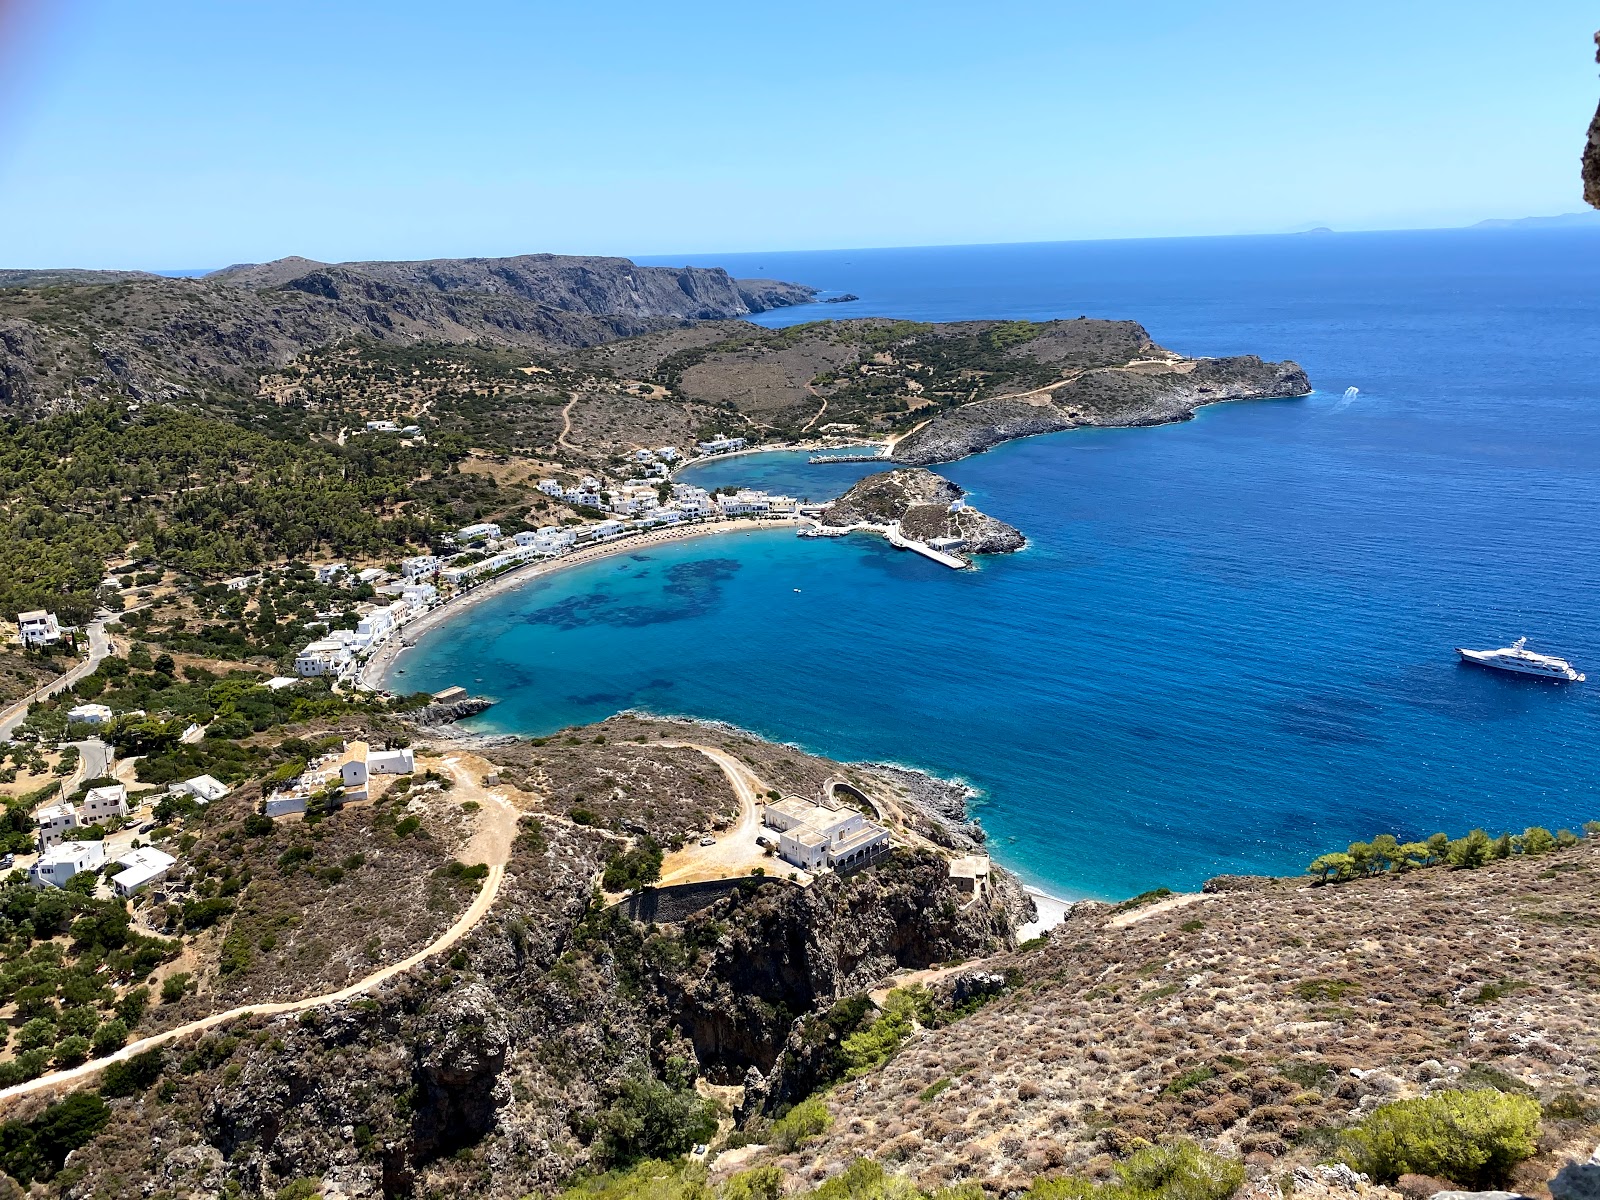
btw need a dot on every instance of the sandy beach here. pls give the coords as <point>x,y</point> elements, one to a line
<point>1052,911</point>
<point>373,672</point>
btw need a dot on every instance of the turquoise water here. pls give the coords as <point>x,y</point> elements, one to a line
<point>1228,646</point>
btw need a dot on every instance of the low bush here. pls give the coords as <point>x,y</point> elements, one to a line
<point>808,1119</point>
<point>1473,1138</point>
<point>1179,1171</point>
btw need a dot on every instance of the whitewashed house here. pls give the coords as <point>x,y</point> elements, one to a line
<point>142,867</point>
<point>60,863</point>
<point>550,487</point>
<point>56,824</point>
<point>103,803</point>
<point>483,531</point>
<point>90,714</point>
<point>814,836</point>
<point>720,445</point>
<point>391,762</point>
<point>327,657</point>
<point>420,566</point>
<point>203,788</point>
<point>328,572</point>
<point>38,628</point>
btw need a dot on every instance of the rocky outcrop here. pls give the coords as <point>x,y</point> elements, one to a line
<point>1153,393</point>
<point>436,714</point>
<point>924,506</point>
<point>1591,152</point>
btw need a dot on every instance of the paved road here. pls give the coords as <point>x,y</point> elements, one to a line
<point>95,760</point>
<point>494,836</point>
<point>99,646</point>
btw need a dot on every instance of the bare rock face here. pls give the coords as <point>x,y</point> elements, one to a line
<point>1591,153</point>
<point>920,502</point>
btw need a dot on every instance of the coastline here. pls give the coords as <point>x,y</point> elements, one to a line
<point>373,675</point>
<point>812,446</point>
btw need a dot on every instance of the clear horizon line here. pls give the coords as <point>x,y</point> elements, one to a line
<point>1494,223</point>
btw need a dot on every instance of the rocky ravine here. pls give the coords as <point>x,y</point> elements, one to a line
<point>1148,392</point>
<point>920,502</point>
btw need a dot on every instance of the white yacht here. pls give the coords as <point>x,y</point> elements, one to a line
<point>1522,661</point>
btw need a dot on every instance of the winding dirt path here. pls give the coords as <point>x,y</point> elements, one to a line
<point>566,424</point>
<point>817,416</point>
<point>493,837</point>
<point>736,850</point>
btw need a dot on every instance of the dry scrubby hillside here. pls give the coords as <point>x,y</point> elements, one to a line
<point>537,1044</point>
<point>71,336</point>
<point>1255,1021</point>
<point>947,390</point>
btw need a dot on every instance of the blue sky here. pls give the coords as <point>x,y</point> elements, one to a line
<point>188,133</point>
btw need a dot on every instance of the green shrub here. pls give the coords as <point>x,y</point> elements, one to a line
<point>633,868</point>
<point>758,1183</point>
<point>1472,1138</point>
<point>1180,1171</point>
<point>72,1051</point>
<point>933,1089</point>
<point>651,1119</point>
<point>131,1076</point>
<point>810,1118</point>
<point>109,1038</point>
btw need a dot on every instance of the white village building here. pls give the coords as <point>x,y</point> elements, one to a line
<point>203,788</point>
<point>38,628</point>
<point>90,714</point>
<point>56,824</point>
<point>102,803</point>
<point>815,836</point>
<point>143,867</point>
<point>61,863</point>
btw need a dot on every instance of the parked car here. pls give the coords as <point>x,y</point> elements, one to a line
<point>708,841</point>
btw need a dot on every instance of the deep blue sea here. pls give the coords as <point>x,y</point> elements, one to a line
<point>1229,645</point>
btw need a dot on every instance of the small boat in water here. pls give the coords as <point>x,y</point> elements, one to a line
<point>1519,660</point>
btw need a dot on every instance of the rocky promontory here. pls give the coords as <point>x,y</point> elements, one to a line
<point>1159,389</point>
<point>925,506</point>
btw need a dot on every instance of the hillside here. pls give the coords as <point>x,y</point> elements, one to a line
<point>881,1016</point>
<point>68,336</point>
<point>943,391</point>
<point>1256,1019</point>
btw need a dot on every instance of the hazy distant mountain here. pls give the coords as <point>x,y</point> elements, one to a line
<point>1574,220</point>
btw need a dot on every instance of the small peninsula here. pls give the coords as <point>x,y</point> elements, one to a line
<point>924,508</point>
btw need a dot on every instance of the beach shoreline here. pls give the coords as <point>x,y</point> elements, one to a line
<point>373,675</point>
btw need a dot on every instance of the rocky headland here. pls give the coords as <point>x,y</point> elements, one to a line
<point>1160,389</point>
<point>924,506</point>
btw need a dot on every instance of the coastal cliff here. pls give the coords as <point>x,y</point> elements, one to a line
<point>921,504</point>
<point>1152,393</point>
